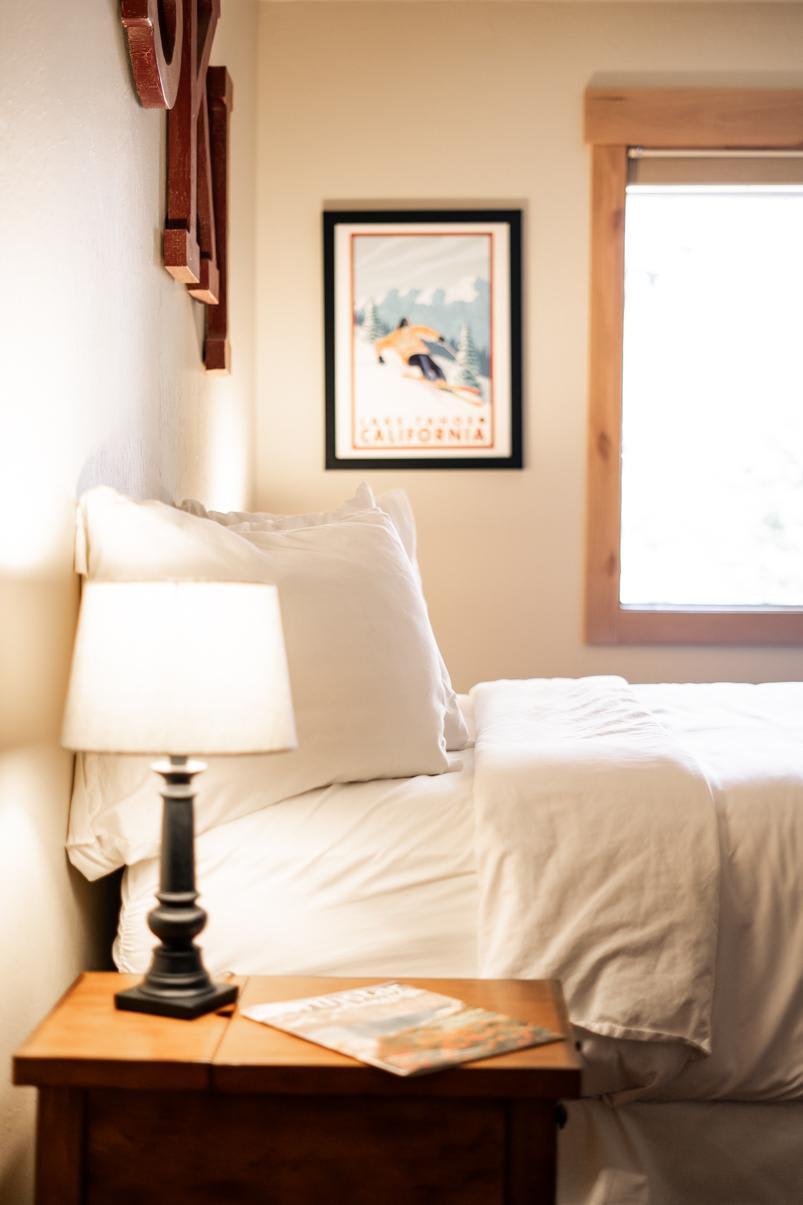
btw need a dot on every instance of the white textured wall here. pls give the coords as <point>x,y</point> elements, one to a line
<point>476,103</point>
<point>100,381</point>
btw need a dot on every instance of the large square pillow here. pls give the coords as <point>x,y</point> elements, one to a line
<point>395,504</point>
<point>364,668</point>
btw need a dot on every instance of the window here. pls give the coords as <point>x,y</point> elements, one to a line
<point>695,506</point>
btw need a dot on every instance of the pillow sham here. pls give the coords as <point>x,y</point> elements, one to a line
<point>395,504</point>
<point>364,667</point>
<point>242,519</point>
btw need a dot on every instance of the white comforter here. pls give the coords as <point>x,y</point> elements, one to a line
<point>597,857</point>
<point>748,740</point>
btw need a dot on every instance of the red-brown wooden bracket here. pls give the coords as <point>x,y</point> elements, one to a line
<point>208,285</point>
<point>155,32</point>
<point>182,252</point>
<point>219,96</point>
<point>170,42</point>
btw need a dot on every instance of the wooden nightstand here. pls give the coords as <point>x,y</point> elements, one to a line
<point>222,1111</point>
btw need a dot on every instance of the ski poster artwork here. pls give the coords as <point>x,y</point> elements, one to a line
<point>422,372</point>
<point>422,338</point>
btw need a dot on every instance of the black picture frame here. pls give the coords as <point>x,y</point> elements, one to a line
<point>456,401</point>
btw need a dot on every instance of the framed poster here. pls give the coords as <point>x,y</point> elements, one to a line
<point>423,339</point>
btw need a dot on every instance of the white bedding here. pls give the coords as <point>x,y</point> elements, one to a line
<point>673,1153</point>
<point>380,878</point>
<point>597,857</point>
<point>748,740</point>
<point>373,878</point>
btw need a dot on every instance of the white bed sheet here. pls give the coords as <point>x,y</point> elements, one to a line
<point>373,878</point>
<point>701,1153</point>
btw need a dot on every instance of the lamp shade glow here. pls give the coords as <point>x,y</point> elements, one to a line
<point>179,668</point>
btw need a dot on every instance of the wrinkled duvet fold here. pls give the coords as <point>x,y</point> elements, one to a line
<point>597,857</point>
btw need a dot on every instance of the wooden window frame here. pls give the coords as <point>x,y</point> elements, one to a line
<point>659,118</point>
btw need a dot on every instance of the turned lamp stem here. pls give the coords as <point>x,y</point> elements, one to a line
<point>177,984</point>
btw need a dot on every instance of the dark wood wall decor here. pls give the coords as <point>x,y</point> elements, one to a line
<point>169,43</point>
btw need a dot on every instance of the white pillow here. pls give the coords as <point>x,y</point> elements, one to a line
<point>364,667</point>
<point>363,500</point>
<point>395,504</point>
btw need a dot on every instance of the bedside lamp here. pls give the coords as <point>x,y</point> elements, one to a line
<point>178,668</point>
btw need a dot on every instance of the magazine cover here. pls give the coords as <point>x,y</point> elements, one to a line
<point>399,1028</point>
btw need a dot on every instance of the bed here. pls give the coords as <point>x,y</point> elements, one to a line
<point>641,843</point>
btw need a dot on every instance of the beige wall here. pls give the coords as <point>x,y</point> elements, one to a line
<point>475,103</point>
<point>101,382</point>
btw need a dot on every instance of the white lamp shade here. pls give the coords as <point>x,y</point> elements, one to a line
<point>179,668</point>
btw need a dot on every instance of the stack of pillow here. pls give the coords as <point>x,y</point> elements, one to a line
<point>371,694</point>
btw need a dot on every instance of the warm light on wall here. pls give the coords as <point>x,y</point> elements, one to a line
<point>37,510</point>
<point>228,471</point>
<point>37,591</point>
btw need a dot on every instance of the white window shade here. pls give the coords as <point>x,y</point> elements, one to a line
<point>745,169</point>
<point>712,386</point>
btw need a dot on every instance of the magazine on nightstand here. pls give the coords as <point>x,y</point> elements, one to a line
<point>402,1029</point>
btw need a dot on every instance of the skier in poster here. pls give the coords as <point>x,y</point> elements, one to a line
<point>414,347</point>
<point>408,343</point>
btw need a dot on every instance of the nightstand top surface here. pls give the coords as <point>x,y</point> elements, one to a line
<point>86,1042</point>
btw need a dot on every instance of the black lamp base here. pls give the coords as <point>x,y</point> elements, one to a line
<point>185,1005</point>
<point>177,983</point>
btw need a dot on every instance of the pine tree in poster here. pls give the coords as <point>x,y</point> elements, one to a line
<point>372,325</point>
<point>468,360</point>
